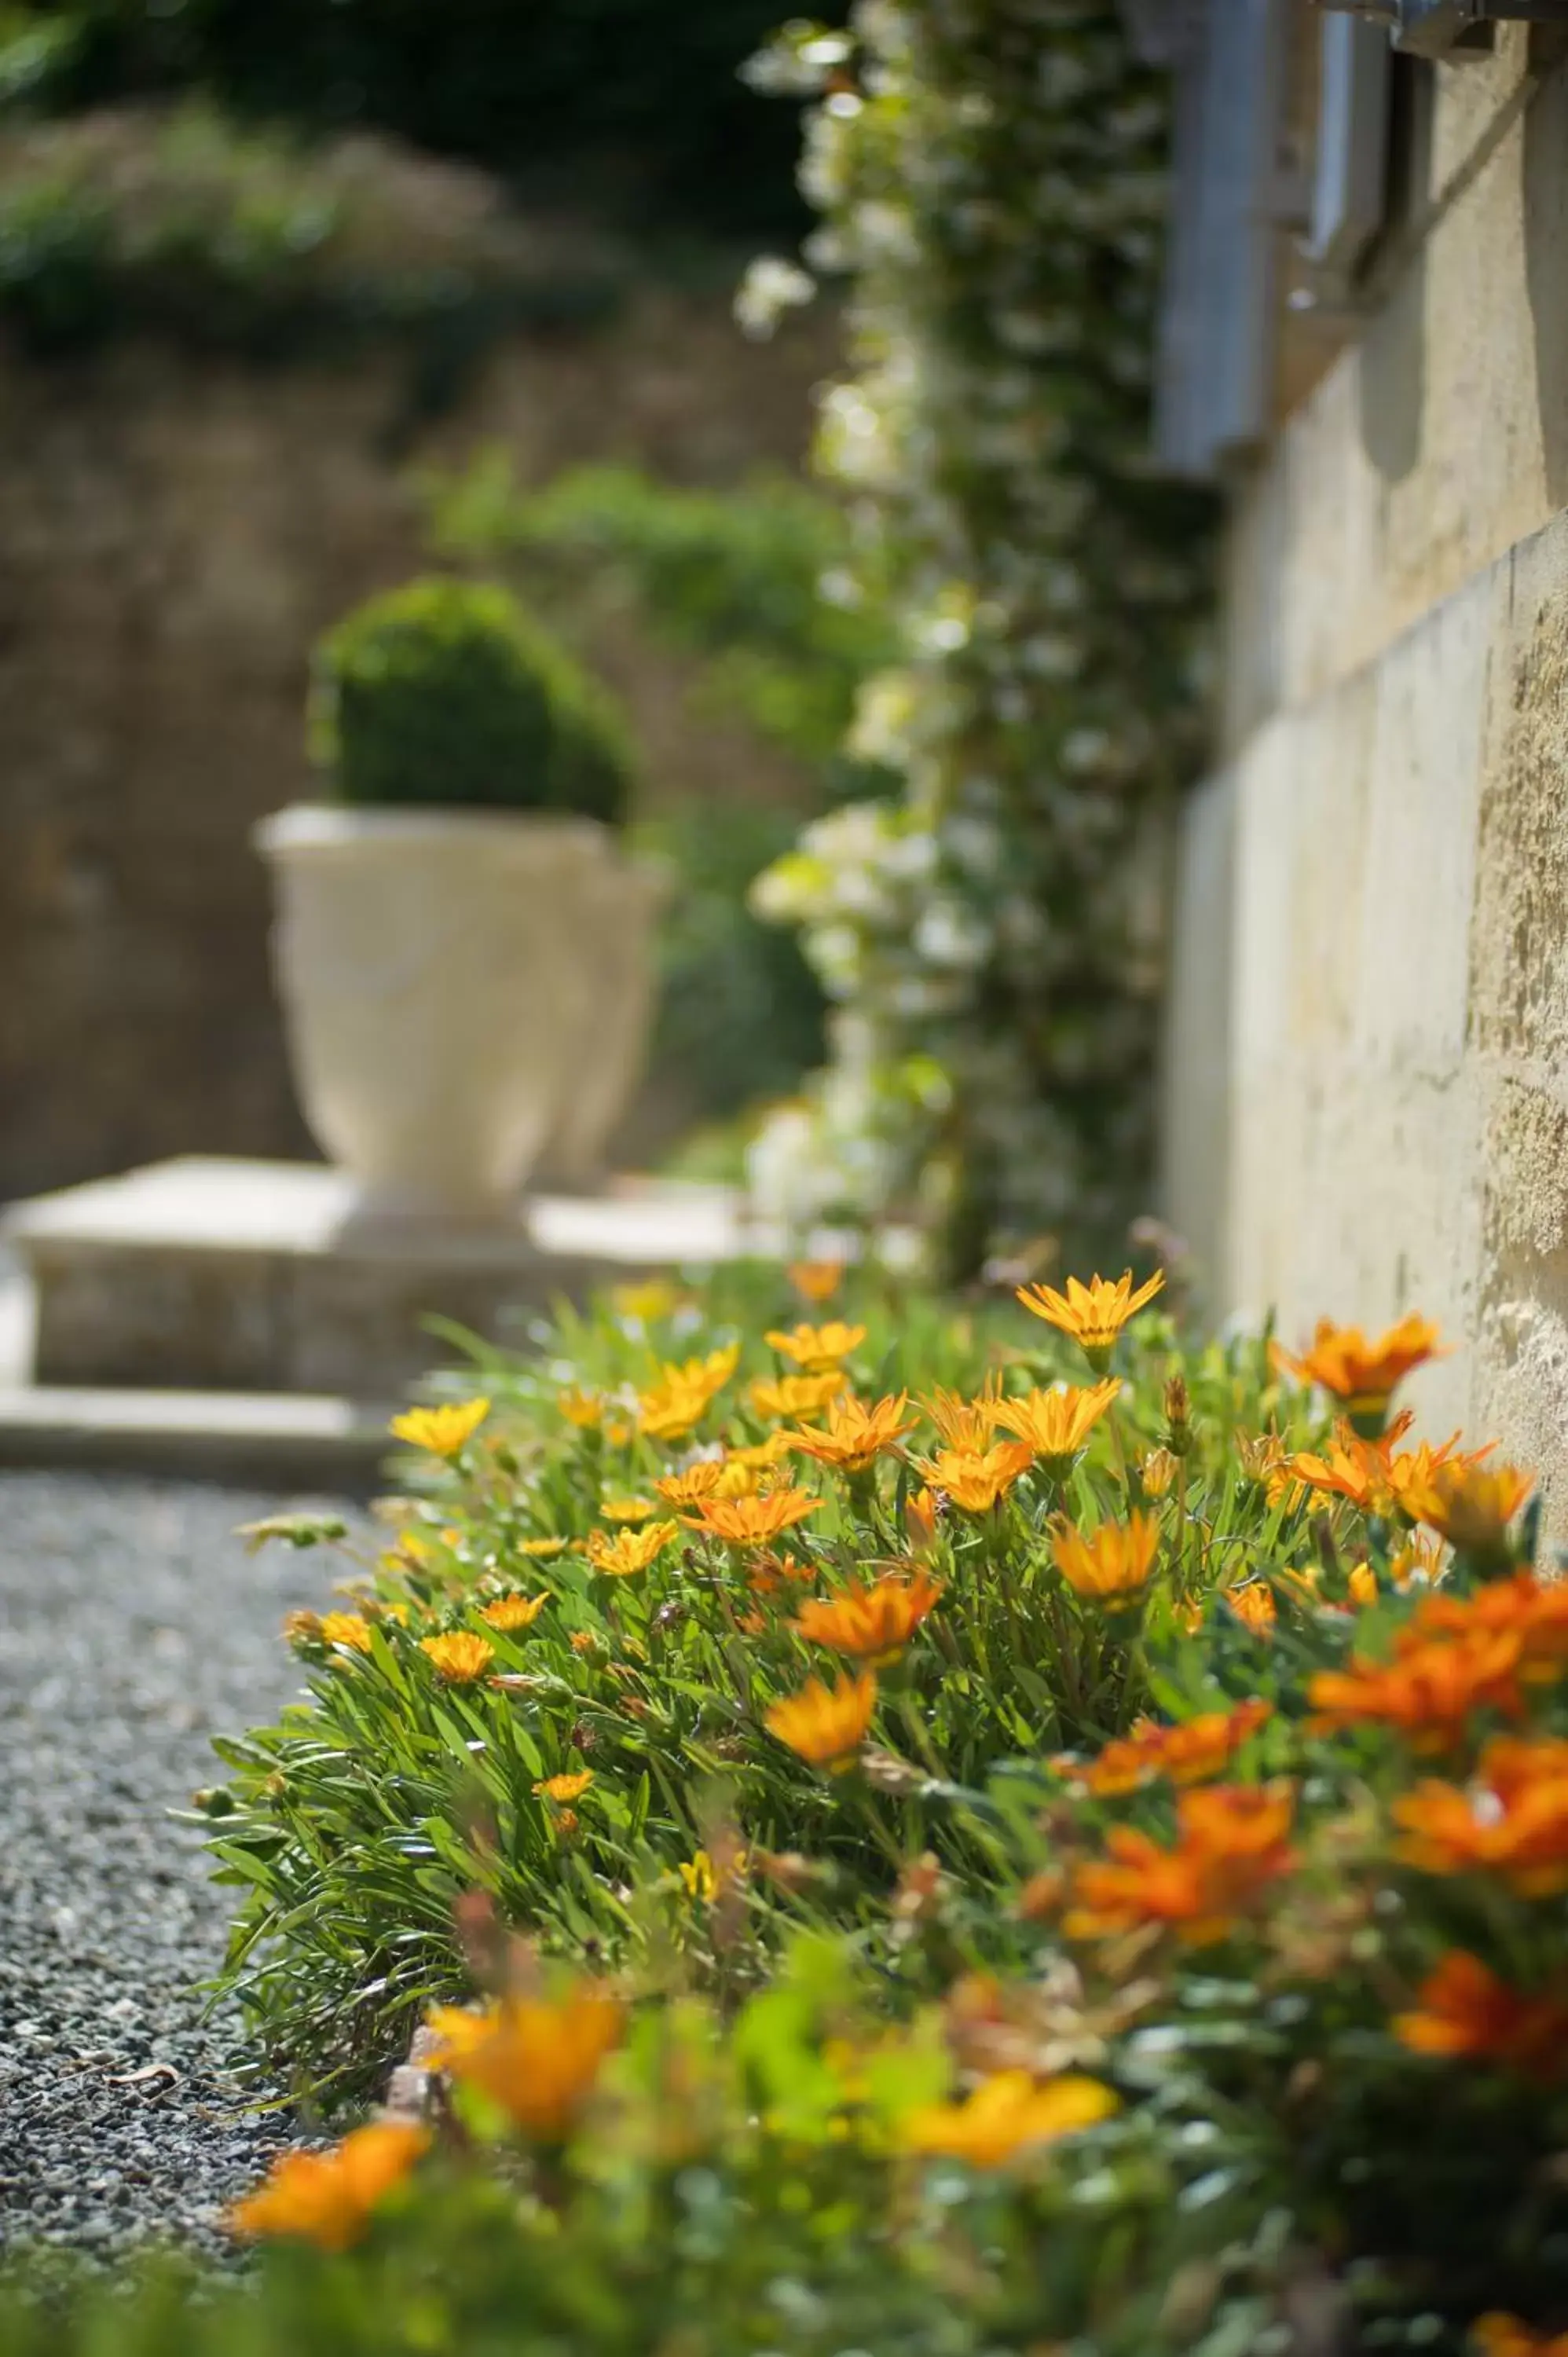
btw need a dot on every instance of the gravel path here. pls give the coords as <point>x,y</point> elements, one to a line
<point>132,1625</point>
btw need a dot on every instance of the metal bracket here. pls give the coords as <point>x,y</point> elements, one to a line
<point>1456,30</point>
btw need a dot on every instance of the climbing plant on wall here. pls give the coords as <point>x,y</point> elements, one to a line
<point>990,178</point>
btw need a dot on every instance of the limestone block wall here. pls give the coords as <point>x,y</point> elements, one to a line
<point>1367,1077</point>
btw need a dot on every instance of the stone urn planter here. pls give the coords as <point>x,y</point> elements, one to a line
<point>436,974</point>
<point>614,1013</point>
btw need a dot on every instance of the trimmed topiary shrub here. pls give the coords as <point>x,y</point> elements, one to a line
<point>448,692</point>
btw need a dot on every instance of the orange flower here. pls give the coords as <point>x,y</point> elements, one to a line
<point>779,1399</point>
<point>1511,1820</point>
<point>1233,1842</point>
<point>856,1434</point>
<point>1092,1314</point>
<point>565,1788</point>
<point>459,1658</point>
<point>1429,1689</point>
<point>1471,1505</point>
<point>1254,1605</point>
<point>669,1409</point>
<point>584,1409</point>
<point>1055,1424</point>
<point>443,1431</point>
<point>1533,1611</point>
<point>1372,1475</point>
<point>349,1629</point>
<point>326,2198</point>
<point>627,1509</point>
<point>538,2058</point>
<point>742,1464</point>
<point>1463,2009</point>
<point>630,1552</point>
<point>1188,1754</point>
<point>967,1426</point>
<point>698,1481</point>
<point>815,1281</point>
<point>1260,1454</point>
<point>974,1481</point>
<point>540,1550</point>
<point>1157,1471</point>
<point>510,1613</point>
<point>769,1573</point>
<point>1363,1373</point>
<point>1112,1562</point>
<point>1498,2335</point>
<point>814,1349</point>
<point>826,1724</point>
<point>922,1520</point>
<point>753,1522</point>
<point>1010,2112</point>
<point>870,1624</point>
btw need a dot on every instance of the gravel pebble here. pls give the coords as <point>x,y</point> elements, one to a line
<point>133,1625</point>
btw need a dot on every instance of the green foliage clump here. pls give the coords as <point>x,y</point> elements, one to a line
<point>448,692</point>
<point>991,176</point>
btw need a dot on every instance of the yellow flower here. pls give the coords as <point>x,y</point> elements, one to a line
<point>627,1509</point>
<point>1112,1562</point>
<point>698,1481</point>
<point>630,1552</point>
<point>459,1658</point>
<point>1471,1505</point>
<point>1092,1314</point>
<point>815,1281</point>
<point>584,1409</point>
<point>1362,1583</point>
<point>1253,1606</point>
<point>779,1399</point>
<point>565,1788</point>
<point>826,1724</point>
<point>1157,1471</point>
<point>872,1624</point>
<point>512,1612</point>
<point>856,1434</point>
<point>972,1483</point>
<point>304,1628</point>
<point>814,1349</point>
<point>1055,1424</point>
<point>668,1411</point>
<point>540,1550</point>
<point>753,1522</point>
<point>706,1878</point>
<point>645,1303</point>
<point>326,2198</point>
<point>1362,1374</point>
<point>968,1425</point>
<point>443,1431</point>
<point>351,1629</point>
<point>758,1457</point>
<point>1008,2114</point>
<point>537,2058</point>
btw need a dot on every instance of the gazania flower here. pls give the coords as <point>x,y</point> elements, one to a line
<point>443,1431</point>
<point>753,1522</point>
<point>1534,1610</point>
<point>1510,1820</point>
<point>302,1628</point>
<point>565,1788</point>
<point>779,1399</point>
<point>1260,1455</point>
<point>973,1483</point>
<point>1463,2009</point>
<point>1010,2112</point>
<point>968,1425</point>
<point>326,2198</point>
<point>698,1481</point>
<point>1429,1691</point>
<point>870,1624</point>
<point>538,2058</point>
<point>707,1879</point>
<point>1471,1505</point>
<point>627,1509</point>
<point>1111,1563</point>
<point>1498,2335</point>
<point>756,1456</point>
<point>512,1612</point>
<point>1188,1754</point>
<point>826,1724</point>
<point>922,1520</point>
<point>815,1349</point>
<point>630,1552</point>
<point>1233,1842</point>
<point>1092,1314</point>
<point>1254,1605</point>
<point>584,1409</point>
<point>857,1432</point>
<point>815,1281</point>
<point>1362,1374</point>
<point>1157,1473</point>
<point>768,1574</point>
<point>542,1550</point>
<point>667,1410</point>
<point>1055,1424</point>
<point>645,1304</point>
<point>351,1629</point>
<point>459,1658</point>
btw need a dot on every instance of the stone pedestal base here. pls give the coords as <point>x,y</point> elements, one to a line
<point>255,1276</point>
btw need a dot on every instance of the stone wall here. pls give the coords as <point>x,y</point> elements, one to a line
<point>174,532</point>
<point>1368,1078</point>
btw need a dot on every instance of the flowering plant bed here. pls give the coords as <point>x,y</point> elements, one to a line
<point>919,1830</point>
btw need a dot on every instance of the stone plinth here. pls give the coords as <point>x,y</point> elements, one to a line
<point>255,1276</point>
